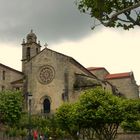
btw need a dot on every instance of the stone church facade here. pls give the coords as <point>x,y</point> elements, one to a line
<point>53,78</point>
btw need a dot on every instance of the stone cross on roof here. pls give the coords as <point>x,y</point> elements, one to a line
<point>46,45</point>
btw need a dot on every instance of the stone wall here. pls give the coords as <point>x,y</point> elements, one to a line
<point>10,76</point>
<point>126,86</point>
<point>100,73</point>
<point>128,136</point>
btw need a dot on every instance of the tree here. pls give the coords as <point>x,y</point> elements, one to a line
<point>132,117</point>
<point>97,112</point>
<point>112,13</point>
<point>101,112</point>
<point>10,107</point>
<point>67,121</point>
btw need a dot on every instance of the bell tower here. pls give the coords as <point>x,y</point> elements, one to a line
<point>30,48</point>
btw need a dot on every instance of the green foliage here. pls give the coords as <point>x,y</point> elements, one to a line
<point>97,111</point>
<point>101,111</point>
<point>14,131</point>
<point>43,124</point>
<point>24,121</point>
<point>112,13</point>
<point>10,107</point>
<point>132,117</point>
<point>131,126</point>
<point>66,118</point>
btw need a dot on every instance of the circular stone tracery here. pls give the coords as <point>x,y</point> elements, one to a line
<point>46,74</point>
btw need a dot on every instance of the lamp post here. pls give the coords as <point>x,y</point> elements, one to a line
<point>29,99</point>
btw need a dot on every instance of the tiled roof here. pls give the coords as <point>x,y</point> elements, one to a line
<point>118,75</point>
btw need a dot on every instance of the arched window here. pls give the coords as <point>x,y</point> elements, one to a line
<point>46,106</point>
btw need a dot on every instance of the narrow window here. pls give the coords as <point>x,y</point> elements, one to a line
<point>3,75</point>
<point>46,106</point>
<point>28,53</point>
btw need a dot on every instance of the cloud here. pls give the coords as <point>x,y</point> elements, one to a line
<point>52,20</point>
<point>10,55</point>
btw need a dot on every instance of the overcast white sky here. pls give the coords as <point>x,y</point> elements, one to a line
<point>59,23</point>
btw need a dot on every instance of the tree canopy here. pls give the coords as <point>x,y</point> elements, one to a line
<point>97,111</point>
<point>66,118</point>
<point>132,117</point>
<point>10,107</point>
<point>112,13</point>
<point>101,111</point>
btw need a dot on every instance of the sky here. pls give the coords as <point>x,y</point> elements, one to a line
<point>60,24</point>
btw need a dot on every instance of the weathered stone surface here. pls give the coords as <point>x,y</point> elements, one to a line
<point>7,76</point>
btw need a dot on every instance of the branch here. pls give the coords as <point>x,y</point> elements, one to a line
<point>124,20</point>
<point>132,20</point>
<point>128,9</point>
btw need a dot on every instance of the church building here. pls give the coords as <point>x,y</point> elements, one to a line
<point>53,78</point>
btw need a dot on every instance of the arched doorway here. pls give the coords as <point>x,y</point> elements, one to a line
<point>46,106</point>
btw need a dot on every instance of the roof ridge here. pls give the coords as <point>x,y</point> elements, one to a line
<point>118,75</point>
<point>72,60</point>
<point>11,68</point>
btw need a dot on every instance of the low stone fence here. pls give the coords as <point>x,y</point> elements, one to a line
<point>128,136</point>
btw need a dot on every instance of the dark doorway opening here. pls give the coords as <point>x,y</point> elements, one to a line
<point>46,106</point>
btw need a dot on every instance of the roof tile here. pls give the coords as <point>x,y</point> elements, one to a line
<point>118,75</point>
